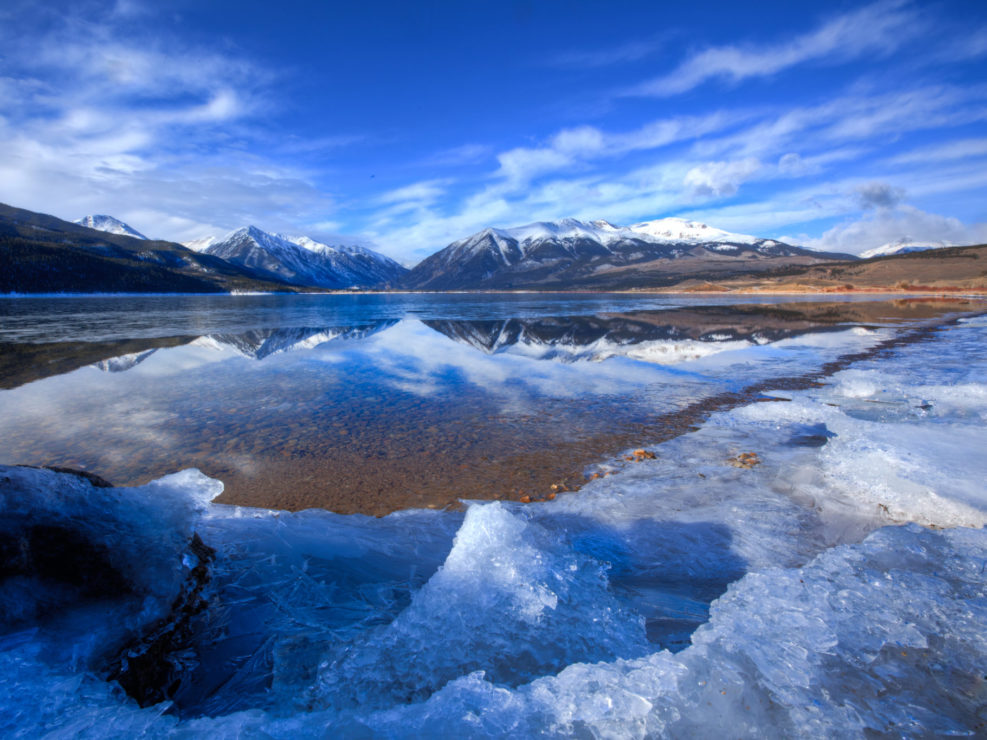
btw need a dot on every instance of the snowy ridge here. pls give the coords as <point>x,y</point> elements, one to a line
<point>680,230</point>
<point>903,246</point>
<point>323,247</point>
<point>302,260</point>
<point>201,244</point>
<point>352,258</point>
<point>660,231</point>
<point>553,252</point>
<point>110,225</point>
<point>567,228</point>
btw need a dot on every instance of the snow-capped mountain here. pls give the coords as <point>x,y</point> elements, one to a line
<point>302,261</point>
<point>110,225</point>
<point>903,246</point>
<point>363,265</point>
<point>584,254</point>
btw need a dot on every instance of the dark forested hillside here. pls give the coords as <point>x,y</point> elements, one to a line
<point>43,254</point>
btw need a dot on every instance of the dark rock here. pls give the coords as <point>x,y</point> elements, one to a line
<point>150,668</point>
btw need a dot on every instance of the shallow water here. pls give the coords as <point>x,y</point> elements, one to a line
<point>375,403</point>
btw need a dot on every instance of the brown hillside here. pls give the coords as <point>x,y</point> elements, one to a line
<point>951,270</point>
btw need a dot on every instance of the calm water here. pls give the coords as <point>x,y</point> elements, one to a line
<point>372,403</point>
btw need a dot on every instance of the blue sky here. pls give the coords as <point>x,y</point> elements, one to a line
<point>834,125</point>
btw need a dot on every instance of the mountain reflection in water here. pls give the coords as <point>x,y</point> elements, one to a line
<point>384,414</point>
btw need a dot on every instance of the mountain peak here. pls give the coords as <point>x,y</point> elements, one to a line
<point>102,222</point>
<point>249,230</point>
<point>674,228</point>
<point>302,260</point>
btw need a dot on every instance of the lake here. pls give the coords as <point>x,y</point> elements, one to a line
<point>474,515</point>
<point>373,403</point>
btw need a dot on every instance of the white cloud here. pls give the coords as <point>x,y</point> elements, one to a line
<point>903,222</point>
<point>521,165</point>
<point>720,178</point>
<point>793,164</point>
<point>107,118</point>
<point>159,132</point>
<point>572,149</point>
<point>876,29</point>
<point>584,140</point>
<point>574,173</point>
<point>861,116</point>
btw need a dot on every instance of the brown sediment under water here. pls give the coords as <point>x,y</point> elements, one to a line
<point>379,414</point>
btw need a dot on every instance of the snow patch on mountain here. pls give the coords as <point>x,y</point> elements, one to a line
<point>904,246</point>
<point>301,260</point>
<point>683,231</point>
<point>567,228</point>
<point>660,231</point>
<point>110,225</point>
<point>201,244</point>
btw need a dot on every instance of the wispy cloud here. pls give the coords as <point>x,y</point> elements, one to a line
<point>630,51</point>
<point>570,148</point>
<point>104,107</point>
<point>878,29</point>
<point>459,155</point>
<point>425,191</point>
<point>953,150</point>
<point>694,165</point>
<point>101,115</point>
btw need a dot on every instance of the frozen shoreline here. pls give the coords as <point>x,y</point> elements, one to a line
<point>823,619</point>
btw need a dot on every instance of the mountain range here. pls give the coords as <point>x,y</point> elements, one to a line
<point>303,261</point>
<point>44,254</point>
<point>598,254</point>
<point>99,253</point>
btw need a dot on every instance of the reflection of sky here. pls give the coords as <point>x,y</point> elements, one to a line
<point>415,357</point>
<point>151,403</point>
